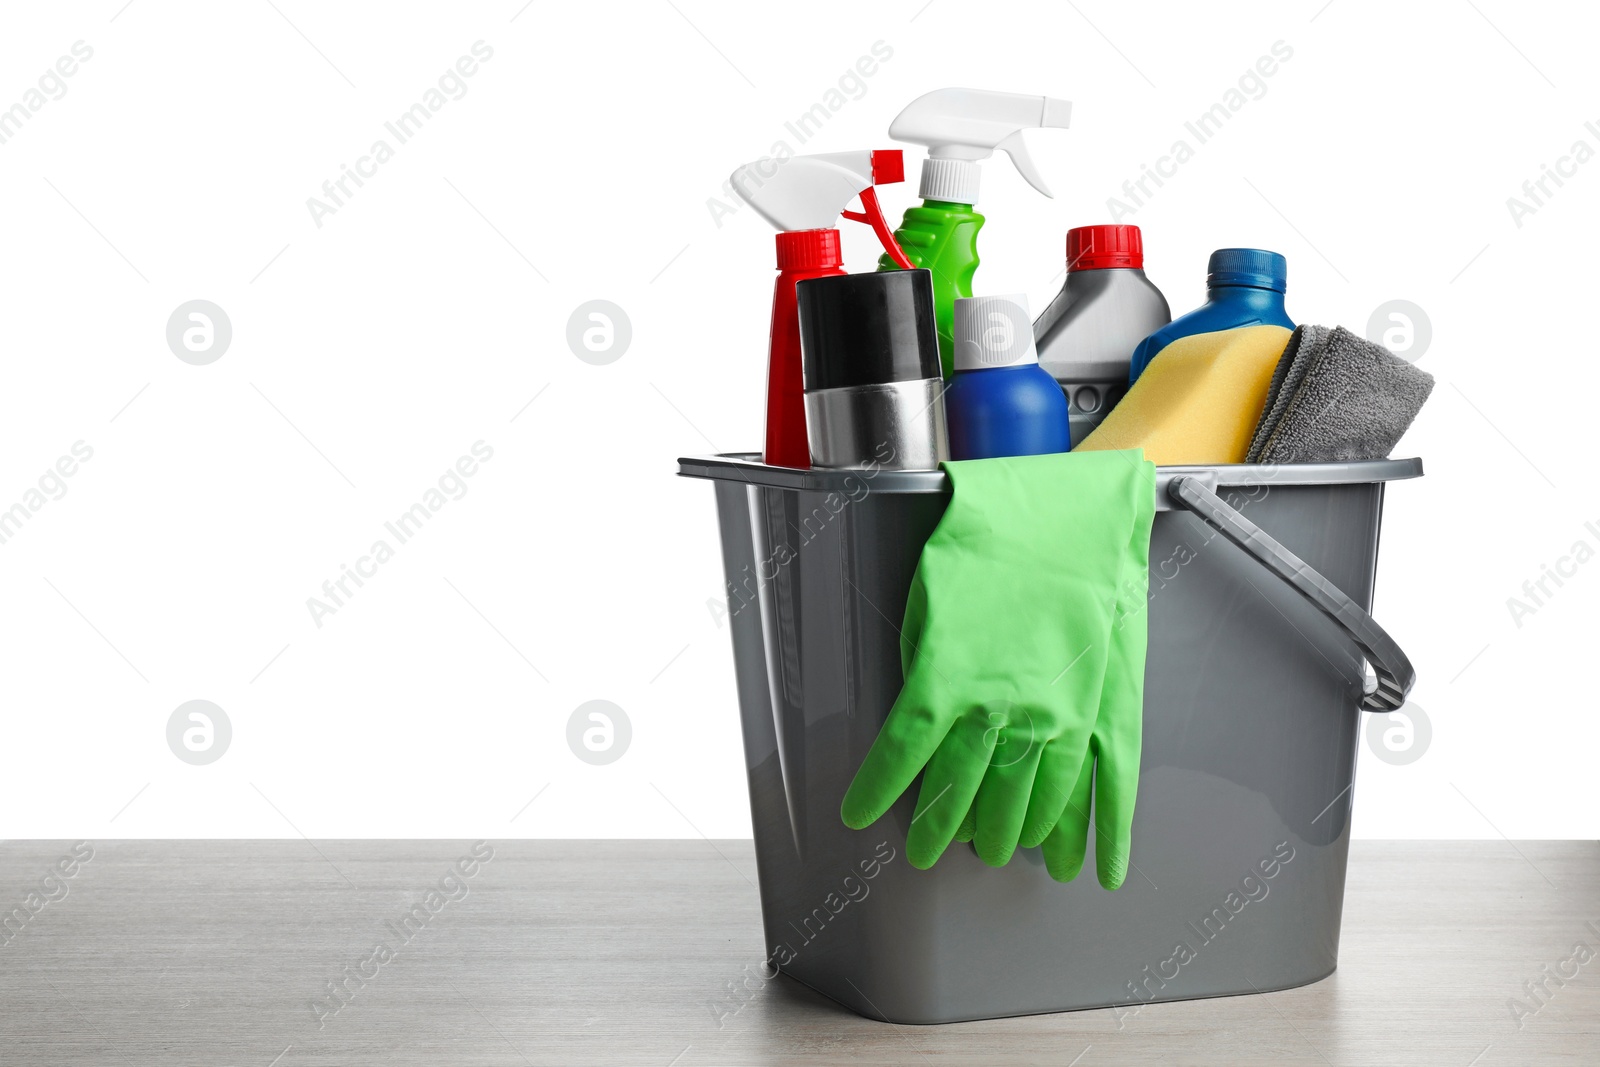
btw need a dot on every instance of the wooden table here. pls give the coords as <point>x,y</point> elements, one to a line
<point>647,952</point>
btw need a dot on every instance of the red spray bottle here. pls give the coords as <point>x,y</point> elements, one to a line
<point>803,196</point>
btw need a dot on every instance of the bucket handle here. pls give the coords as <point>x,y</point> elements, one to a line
<point>1394,671</point>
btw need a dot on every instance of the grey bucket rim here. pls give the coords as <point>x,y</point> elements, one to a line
<point>1192,489</point>
<point>747,467</point>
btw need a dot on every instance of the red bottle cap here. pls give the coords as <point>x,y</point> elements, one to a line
<point>1099,247</point>
<point>809,250</point>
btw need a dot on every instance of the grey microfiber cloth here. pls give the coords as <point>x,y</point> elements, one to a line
<point>1336,397</point>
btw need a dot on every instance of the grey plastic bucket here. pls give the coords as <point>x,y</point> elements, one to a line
<point>1258,670</point>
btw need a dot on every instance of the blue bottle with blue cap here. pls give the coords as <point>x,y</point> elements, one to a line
<point>1000,401</point>
<point>1244,287</point>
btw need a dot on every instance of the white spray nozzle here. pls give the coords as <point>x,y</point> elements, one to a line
<point>961,126</point>
<point>811,192</point>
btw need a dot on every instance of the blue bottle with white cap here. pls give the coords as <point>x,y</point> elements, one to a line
<point>1000,401</point>
<point>1244,287</point>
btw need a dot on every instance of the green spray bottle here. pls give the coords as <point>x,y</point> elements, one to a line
<point>959,127</point>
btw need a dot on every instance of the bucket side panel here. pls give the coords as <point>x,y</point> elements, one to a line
<point>1241,830</point>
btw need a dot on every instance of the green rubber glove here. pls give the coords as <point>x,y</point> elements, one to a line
<point>1111,772</point>
<point>1008,631</point>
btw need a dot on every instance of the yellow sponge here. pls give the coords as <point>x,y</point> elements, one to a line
<point>1198,401</point>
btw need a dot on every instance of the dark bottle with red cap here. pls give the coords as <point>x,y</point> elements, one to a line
<point>1088,333</point>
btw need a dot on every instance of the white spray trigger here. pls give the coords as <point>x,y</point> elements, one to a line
<point>962,126</point>
<point>1013,147</point>
<point>804,192</point>
<point>812,192</point>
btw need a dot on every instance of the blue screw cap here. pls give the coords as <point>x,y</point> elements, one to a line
<point>1254,267</point>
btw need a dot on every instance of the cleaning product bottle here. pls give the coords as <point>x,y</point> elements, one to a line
<point>803,196</point>
<point>1244,287</point>
<point>1089,331</point>
<point>1001,402</point>
<point>960,127</point>
<point>873,385</point>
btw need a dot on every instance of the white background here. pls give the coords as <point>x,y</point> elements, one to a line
<point>368,354</point>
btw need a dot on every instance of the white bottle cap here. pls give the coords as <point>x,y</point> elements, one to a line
<point>954,181</point>
<point>993,331</point>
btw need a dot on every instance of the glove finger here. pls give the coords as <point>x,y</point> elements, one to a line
<point>1064,848</point>
<point>1003,796</point>
<point>910,736</point>
<point>952,779</point>
<point>1052,787</point>
<point>1116,787</point>
<point>969,825</point>
<point>1119,729</point>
